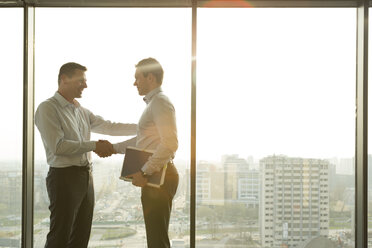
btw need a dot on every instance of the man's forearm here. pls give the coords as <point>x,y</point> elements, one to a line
<point>70,147</point>
<point>102,126</point>
<point>122,146</point>
<point>116,129</point>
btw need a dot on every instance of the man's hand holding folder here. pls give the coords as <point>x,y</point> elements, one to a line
<point>131,171</point>
<point>138,179</point>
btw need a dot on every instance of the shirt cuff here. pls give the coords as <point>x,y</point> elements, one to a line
<point>91,145</point>
<point>116,148</point>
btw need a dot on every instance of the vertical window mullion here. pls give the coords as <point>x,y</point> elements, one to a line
<point>28,128</point>
<point>361,154</point>
<point>193,130</point>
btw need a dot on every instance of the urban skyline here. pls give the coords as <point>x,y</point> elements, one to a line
<point>229,190</point>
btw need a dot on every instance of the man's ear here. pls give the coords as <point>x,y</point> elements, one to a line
<point>64,79</point>
<point>151,77</point>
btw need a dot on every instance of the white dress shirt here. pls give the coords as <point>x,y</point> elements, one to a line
<point>65,130</point>
<point>156,131</point>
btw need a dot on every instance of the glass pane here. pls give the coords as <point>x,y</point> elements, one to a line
<point>109,42</point>
<point>11,76</point>
<point>275,127</point>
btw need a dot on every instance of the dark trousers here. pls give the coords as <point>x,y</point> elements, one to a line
<point>157,206</point>
<point>71,196</point>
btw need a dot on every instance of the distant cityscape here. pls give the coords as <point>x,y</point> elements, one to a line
<point>277,201</point>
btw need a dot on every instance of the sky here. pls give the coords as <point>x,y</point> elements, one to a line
<point>269,81</point>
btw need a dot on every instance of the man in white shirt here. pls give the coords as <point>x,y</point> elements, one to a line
<point>156,131</point>
<point>65,128</point>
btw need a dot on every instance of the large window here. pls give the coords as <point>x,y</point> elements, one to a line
<point>11,78</point>
<point>275,108</point>
<point>109,42</point>
<point>275,127</point>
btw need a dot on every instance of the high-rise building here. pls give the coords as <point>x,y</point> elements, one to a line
<point>241,181</point>
<point>11,192</point>
<point>209,185</point>
<point>235,182</point>
<point>248,188</point>
<point>294,202</point>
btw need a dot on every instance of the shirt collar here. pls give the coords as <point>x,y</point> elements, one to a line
<point>63,102</point>
<point>151,94</point>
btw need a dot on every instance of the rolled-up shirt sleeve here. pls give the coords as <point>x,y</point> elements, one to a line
<point>122,146</point>
<point>102,126</point>
<point>164,118</point>
<point>48,124</point>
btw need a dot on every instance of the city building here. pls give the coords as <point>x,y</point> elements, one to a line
<point>235,182</point>
<point>294,200</point>
<point>210,185</point>
<point>241,181</point>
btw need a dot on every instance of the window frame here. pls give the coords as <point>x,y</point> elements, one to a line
<point>361,132</point>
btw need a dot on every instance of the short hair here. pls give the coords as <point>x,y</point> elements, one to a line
<point>69,70</point>
<point>151,65</point>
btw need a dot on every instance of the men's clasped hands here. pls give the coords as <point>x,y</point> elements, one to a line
<point>104,149</point>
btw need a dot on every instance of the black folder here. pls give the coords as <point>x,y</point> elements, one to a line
<point>134,160</point>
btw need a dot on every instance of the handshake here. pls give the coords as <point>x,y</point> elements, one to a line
<point>104,149</point>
